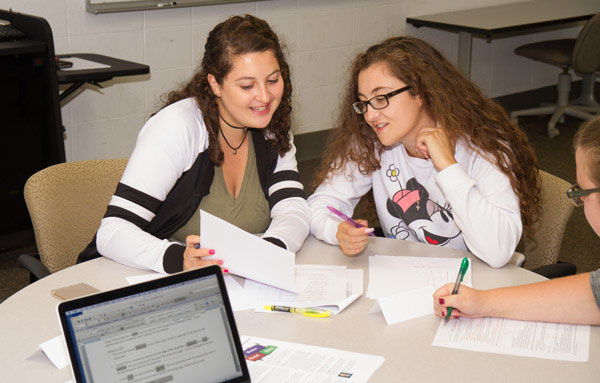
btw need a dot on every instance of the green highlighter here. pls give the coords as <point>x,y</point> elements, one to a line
<point>459,278</point>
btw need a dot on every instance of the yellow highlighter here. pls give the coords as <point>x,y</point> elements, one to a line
<point>315,313</point>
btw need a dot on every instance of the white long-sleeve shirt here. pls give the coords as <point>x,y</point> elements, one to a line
<point>169,165</point>
<point>468,206</point>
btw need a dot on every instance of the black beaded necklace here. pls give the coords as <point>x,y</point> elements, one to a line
<point>234,127</point>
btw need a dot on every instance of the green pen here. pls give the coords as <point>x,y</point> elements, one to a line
<point>459,278</point>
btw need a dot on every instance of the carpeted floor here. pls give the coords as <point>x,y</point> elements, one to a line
<point>580,245</point>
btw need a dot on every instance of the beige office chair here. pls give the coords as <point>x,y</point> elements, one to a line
<point>581,54</point>
<point>541,254</point>
<point>66,203</point>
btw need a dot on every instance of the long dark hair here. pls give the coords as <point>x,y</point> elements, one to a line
<point>236,36</point>
<point>463,111</point>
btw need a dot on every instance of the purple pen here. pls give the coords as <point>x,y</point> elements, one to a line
<point>346,218</point>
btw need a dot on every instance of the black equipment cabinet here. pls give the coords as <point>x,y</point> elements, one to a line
<point>32,131</point>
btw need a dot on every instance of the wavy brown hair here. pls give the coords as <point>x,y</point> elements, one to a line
<point>453,101</point>
<point>235,36</point>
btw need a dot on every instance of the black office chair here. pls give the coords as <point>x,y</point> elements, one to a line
<point>581,54</point>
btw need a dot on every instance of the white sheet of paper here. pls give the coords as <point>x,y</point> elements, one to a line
<point>294,362</point>
<point>247,255</point>
<point>511,337</point>
<point>390,275</point>
<point>354,290</point>
<point>406,305</point>
<point>55,351</point>
<point>237,295</point>
<point>317,285</point>
<point>82,64</point>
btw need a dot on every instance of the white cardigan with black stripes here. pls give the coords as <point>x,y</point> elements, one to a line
<point>167,146</point>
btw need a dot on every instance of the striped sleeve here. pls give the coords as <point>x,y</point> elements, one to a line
<point>166,147</point>
<point>290,215</point>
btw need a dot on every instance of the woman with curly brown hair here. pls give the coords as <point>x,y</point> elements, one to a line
<point>222,143</point>
<point>446,165</point>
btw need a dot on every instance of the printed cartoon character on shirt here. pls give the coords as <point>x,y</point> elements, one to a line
<point>420,216</point>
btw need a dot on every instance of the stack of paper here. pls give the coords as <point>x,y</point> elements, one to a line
<point>404,286</point>
<point>330,288</point>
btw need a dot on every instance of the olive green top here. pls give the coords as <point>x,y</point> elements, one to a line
<point>249,211</point>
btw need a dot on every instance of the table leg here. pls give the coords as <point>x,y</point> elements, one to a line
<point>465,41</point>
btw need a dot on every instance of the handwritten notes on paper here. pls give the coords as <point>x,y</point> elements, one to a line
<point>512,337</point>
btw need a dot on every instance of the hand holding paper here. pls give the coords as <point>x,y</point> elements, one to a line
<point>247,255</point>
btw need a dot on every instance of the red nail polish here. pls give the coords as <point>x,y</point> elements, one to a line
<point>441,300</point>
<point>211,252</point>
<point>225,270</point>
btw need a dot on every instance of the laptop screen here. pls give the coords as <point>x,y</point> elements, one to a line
<point>174,333</point>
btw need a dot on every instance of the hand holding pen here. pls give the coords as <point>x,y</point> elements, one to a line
<point>447,300</point>
<point>352,235</point>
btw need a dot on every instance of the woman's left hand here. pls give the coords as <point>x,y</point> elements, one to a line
<point>434,144</point>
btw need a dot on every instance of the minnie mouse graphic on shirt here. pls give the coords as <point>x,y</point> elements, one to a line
<point>420,217</point>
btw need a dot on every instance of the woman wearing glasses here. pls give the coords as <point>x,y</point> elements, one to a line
<point>574,299</point>
<point>446,165</point>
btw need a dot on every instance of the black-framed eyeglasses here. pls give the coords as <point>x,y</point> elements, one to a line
<point>576,193</point>
<point>377,102</point>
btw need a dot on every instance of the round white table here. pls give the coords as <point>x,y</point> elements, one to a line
<point>28,318</point>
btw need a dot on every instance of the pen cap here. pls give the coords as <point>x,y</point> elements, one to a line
<point>463,268</point>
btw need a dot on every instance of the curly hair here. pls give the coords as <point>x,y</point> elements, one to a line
<point>235,36</point>
<point>453,101</point>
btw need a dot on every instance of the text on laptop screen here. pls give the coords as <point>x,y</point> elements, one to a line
<point>176,333</point>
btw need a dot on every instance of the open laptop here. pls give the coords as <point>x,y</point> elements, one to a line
<point>175,329</point>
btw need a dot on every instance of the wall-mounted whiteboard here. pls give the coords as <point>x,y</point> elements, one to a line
<point>109,6</point>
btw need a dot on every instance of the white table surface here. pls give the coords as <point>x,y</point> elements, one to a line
<point>28,318</point>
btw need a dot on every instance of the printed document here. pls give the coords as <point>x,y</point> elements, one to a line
<point>391,275</point>
<point>247,255</point>
<point>512,337</point>
<point>274,361</point>
<point>318,286</point>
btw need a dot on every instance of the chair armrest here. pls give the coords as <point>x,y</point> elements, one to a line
<point>34,265</point>
<point>557,270</point>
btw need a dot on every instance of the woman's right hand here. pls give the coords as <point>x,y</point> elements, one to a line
<point>353,239</point>
<point>192,257</point>
<point>468,303</point>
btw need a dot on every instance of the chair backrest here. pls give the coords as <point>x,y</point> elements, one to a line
<point>66,203</point>
<point>586,53</point>
<point>554,215</point>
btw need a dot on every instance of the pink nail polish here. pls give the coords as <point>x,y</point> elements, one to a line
<point>225,270</point>
<point>211,252</point>
<point>220,262</point>
<point>441,300</point>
